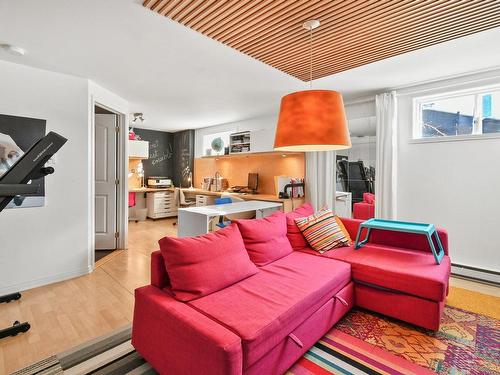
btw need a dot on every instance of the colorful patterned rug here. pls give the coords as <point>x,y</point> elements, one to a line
<point>467,343</point>
<point>361,343</point>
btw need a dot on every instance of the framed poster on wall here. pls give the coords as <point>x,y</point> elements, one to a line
<point>17,135</point>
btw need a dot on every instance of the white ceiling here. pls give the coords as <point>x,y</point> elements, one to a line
<point>181,79</point>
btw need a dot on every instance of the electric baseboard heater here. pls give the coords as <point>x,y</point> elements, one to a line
<point>15,181</point>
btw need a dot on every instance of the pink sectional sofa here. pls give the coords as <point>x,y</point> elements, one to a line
<point>265,322</point>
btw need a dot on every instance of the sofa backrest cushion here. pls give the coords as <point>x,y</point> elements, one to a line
<point>295,236</point>
<point>412,241</point>
<point>265,239</point>
<point>369,198</point>
<point>323,231</point>
<point>198,266</point>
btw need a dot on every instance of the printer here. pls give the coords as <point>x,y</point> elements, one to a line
<point>159,182</point>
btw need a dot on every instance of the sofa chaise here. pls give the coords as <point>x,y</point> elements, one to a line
<point>263,323</point>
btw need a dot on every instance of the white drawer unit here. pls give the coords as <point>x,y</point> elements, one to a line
<point>161,204</point>
<point>204,200</point>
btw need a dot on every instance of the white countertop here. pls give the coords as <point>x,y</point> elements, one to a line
<point>231,208</point>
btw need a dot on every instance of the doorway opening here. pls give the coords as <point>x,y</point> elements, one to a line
<point>106,182</point>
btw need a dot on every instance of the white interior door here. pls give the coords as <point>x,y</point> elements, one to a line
<point>105,181</point>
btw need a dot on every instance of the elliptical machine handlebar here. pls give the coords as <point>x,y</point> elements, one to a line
<point>29,167</point>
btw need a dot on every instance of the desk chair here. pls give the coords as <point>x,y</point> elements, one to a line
<point>225,200</point>
<point>183,202</point>
<point>180,200</point>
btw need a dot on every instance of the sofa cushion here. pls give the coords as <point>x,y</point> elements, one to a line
<point>265,239</point>
<point>275,301</point>
<point>407,271</point>
<point>322,231</point>
<point>294,234</point>
<point>198,266</point>
<point>369,198</point>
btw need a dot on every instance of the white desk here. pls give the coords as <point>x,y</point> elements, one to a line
<point>193,221</point>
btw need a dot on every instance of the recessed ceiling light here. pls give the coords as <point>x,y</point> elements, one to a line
<point>13,50</point>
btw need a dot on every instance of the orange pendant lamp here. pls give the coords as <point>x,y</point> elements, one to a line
<point>312,120</point>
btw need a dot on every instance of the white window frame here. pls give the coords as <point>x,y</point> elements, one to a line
<point>477,127</point>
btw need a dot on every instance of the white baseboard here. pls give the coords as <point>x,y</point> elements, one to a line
<point>44,281</point>
<point>475,273</point>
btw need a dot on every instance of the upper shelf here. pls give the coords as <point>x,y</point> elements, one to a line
<point>250,154</point>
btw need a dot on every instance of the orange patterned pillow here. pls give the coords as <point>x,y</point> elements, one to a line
<point>323,231</point>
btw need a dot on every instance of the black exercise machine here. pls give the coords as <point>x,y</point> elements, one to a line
<point>354,179</point>
<point>15,182</point>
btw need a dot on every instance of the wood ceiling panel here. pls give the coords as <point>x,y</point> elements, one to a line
<point>352,32</point>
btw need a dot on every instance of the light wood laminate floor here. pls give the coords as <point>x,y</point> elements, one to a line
<point>68,313</point>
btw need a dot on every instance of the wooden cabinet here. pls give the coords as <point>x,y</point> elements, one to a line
<point>161,204</point>
<point>262,140</point>
<point>138,149</point>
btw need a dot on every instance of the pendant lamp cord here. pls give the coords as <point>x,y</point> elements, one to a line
<point>311,57</point>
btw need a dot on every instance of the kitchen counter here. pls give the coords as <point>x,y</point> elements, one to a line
<point>288,204</point>
<point>148,190</point>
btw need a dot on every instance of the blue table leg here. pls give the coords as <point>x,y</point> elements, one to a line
<point>440,245</point>
<point>437,256</point>
<point>358,243</point>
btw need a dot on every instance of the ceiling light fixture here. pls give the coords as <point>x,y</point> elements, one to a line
<point>13,50</point>
<point>138,118</point>
<point>312,120</point>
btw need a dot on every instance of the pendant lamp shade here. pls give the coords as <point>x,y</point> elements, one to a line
<point>312,120</point>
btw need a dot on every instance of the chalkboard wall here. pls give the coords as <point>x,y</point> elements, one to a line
<point>160,162</point>
<point>170,154</point>
<point>183,157</point>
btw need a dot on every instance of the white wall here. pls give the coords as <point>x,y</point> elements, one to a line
<point>45,244</point>
<point>103,97</point>
<point>453,184</point>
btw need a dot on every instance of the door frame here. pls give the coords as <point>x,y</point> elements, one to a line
<point>122,176</point>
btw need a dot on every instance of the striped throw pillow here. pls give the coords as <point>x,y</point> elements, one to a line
<point>323,231</point>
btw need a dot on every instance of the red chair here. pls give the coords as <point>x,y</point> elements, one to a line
<point>365,210</point>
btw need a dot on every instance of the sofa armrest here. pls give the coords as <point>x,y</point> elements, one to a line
<point>177,339</point>
<point>159,275</point>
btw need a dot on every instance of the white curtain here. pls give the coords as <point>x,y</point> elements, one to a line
<point>386,164</point>
<point>321,179</point>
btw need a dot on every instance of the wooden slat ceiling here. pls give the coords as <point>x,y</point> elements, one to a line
<point>352,32</point>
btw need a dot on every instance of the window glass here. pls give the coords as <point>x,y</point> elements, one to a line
<point>471,113</point>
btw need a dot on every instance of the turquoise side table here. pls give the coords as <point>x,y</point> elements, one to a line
<point>429,230</point>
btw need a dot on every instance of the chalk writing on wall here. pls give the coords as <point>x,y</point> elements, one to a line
<point>158,154</point>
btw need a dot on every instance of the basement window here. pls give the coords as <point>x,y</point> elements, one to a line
<point>465,114</point>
